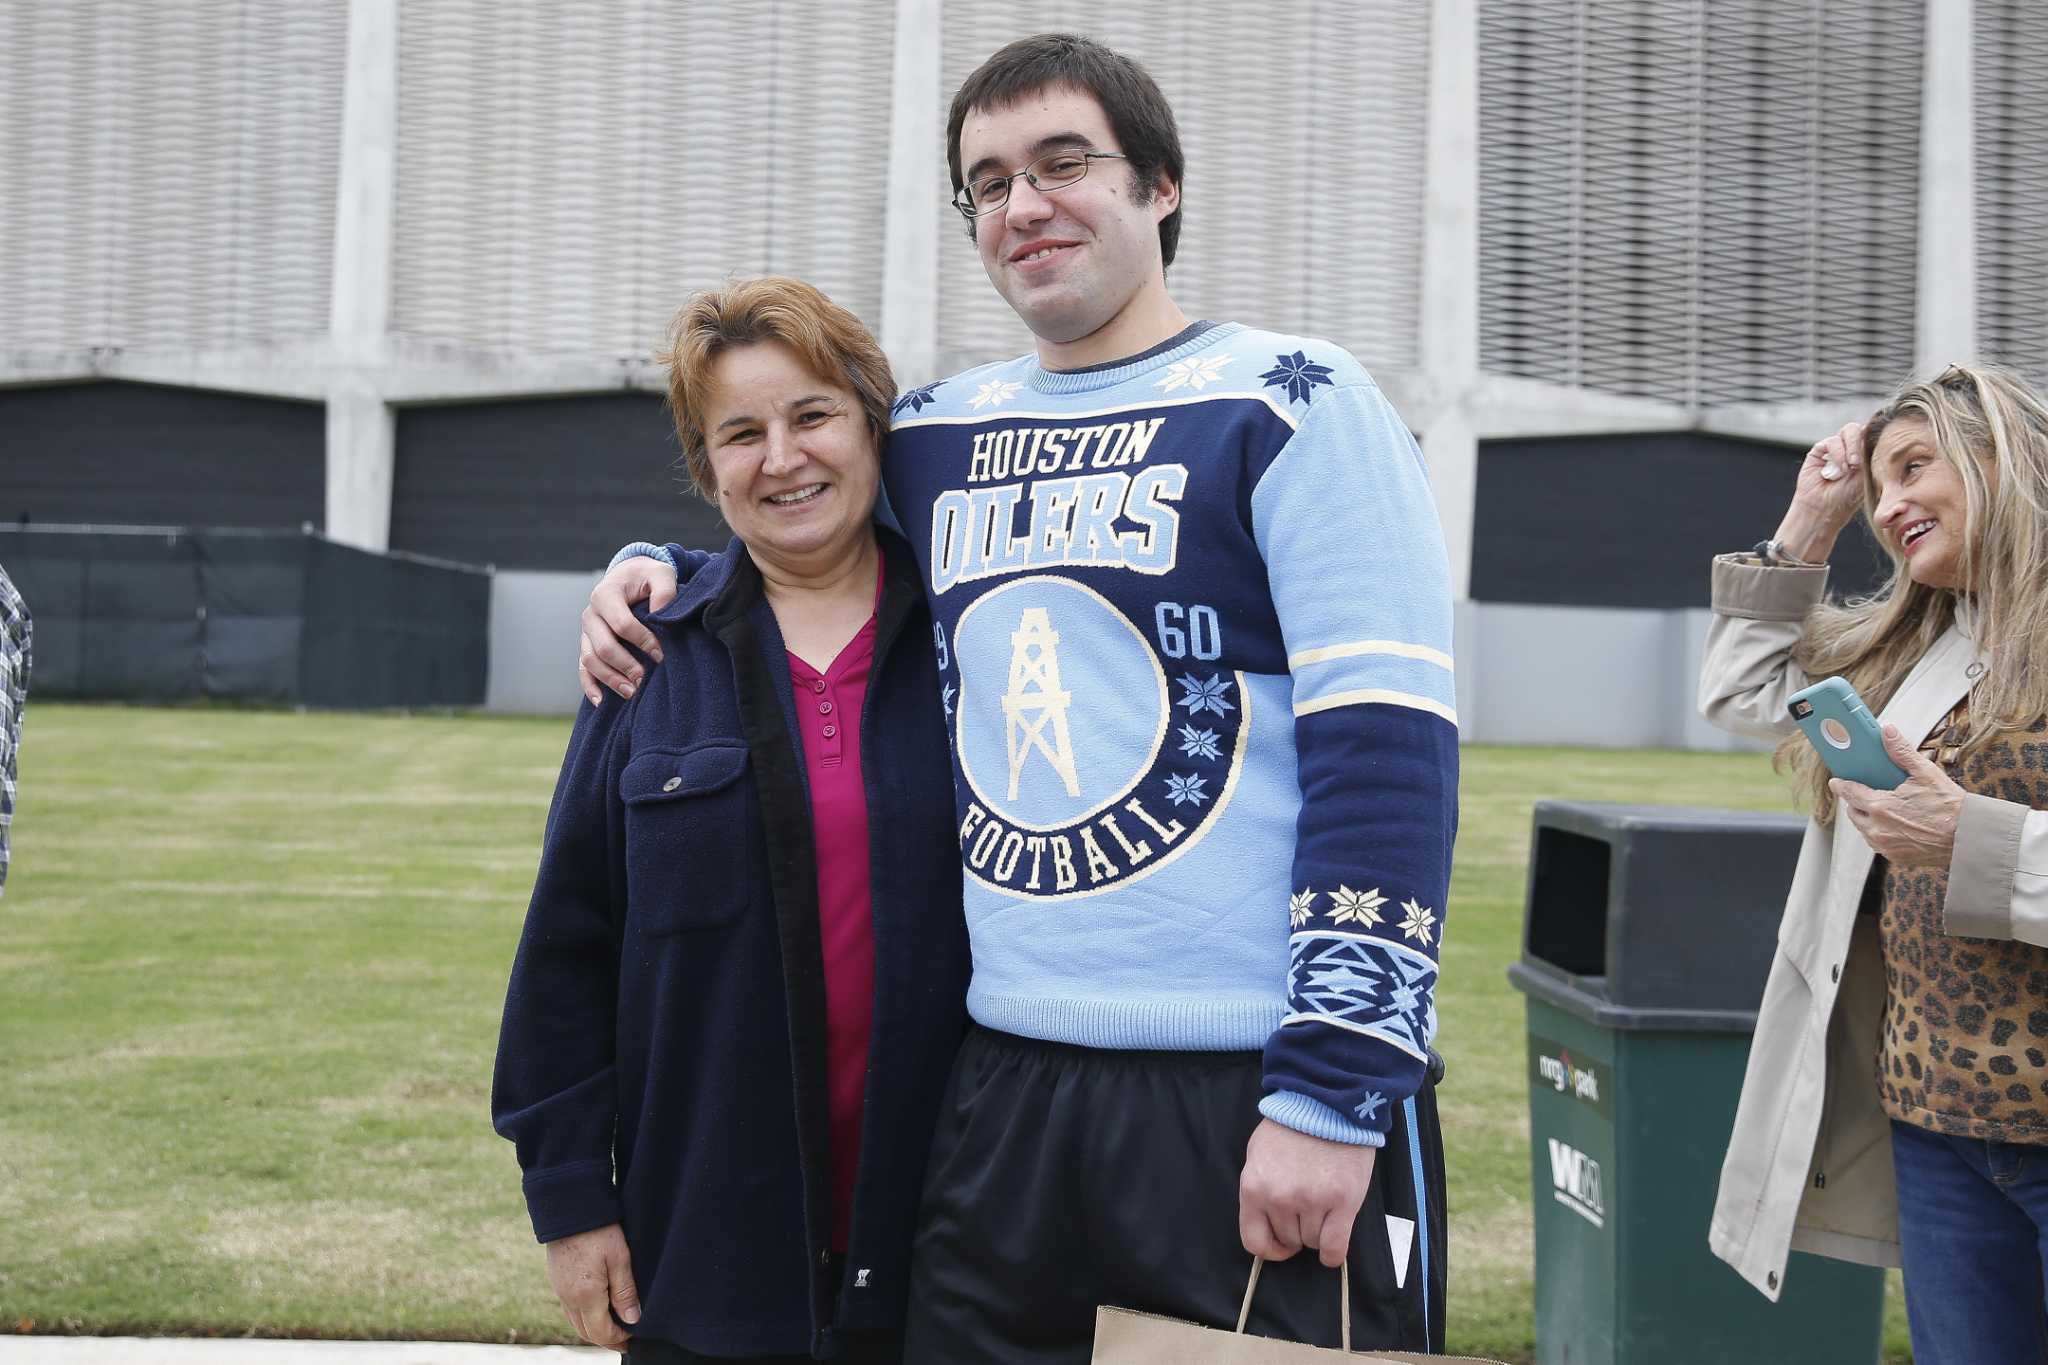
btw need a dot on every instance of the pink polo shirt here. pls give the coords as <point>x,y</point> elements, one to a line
<point>828,709</point>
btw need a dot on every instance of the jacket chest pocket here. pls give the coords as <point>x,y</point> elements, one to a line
<point>1799,937</point>
<point>689,837</point>
<point>1804,937</point>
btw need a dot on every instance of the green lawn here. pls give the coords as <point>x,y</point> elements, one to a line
<point>252,964</point>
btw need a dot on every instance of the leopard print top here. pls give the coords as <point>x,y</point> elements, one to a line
<point>1965,1044</point>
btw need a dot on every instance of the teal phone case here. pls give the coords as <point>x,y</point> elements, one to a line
<point>1844,733</point>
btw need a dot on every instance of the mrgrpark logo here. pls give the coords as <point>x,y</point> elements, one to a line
<point>1557,1069</point>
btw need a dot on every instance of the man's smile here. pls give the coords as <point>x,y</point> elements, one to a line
<point>1036,253</point>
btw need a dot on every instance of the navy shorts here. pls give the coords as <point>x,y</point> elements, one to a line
<point>1063,1178</point>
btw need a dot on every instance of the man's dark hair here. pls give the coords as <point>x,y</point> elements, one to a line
<point>1138,114</point>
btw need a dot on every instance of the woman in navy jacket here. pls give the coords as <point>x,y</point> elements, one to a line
<point>736,999</point>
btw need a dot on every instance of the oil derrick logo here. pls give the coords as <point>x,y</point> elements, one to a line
<point>1036,701</point>
<point>1160,770</point>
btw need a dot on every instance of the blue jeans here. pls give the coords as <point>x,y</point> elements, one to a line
<point>1973,1232</point>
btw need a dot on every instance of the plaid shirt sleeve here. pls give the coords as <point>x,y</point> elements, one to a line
<point>15,658</point>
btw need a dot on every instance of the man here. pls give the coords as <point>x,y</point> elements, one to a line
<point>1195,632</point>
<point>15,659</point>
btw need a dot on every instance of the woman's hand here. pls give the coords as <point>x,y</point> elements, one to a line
<point>1827,496</point>
<point>1913,824</point>
<point>592,1274</point>
<point>609,626</point>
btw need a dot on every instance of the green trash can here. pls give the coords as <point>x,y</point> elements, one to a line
<point>1646,939</point>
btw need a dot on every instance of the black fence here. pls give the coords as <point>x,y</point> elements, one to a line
<point>171,613</point>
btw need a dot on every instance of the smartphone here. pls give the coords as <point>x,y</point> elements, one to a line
<point>1844,733</point>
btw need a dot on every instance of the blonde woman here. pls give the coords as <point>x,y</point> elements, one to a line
<point>1895,1109</point>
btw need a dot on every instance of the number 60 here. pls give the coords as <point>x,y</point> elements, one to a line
<point>1203,635</point>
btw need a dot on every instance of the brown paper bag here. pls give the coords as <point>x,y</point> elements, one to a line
<point>1125,1337</point>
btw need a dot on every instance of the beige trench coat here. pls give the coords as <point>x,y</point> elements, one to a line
<point>1809,1164</point>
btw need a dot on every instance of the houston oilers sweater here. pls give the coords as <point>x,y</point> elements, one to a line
<point>1194,630</point>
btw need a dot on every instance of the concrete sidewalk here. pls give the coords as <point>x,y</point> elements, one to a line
<point>207,1351</point>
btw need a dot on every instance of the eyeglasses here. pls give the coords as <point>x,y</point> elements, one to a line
<point>1053,171</point>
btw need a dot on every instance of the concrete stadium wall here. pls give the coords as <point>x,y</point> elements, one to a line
<point>1603,677</point>
<point>1595,676</point>
<point>533,640</point>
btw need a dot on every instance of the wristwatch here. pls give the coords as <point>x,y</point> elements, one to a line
<point>1773,553</point>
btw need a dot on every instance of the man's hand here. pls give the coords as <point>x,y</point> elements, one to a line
<point>592,1274</point>
<point>1913,824</point>
<point>1300,1191</point>
<point>609,626</point>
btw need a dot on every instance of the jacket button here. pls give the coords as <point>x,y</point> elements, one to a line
<point>824,708</point>
<point>672,784</point>
<point>817,684</point>
<point>829,731</point>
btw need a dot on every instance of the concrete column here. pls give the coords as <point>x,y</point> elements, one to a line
<point>361,432</point>
<point>1946,319</point>
<point>359,424</point>
<point>917,193</point>
<point>1450,278</point>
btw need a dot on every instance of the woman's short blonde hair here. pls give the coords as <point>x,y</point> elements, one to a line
<point>832,343</point>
